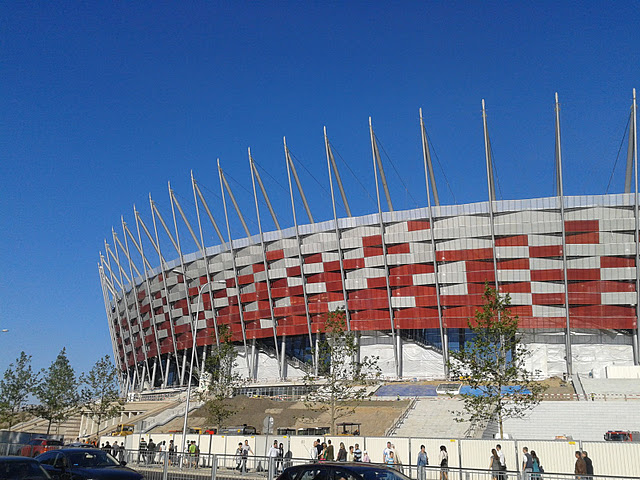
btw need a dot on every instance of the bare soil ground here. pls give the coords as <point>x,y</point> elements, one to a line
<point>374,416</point>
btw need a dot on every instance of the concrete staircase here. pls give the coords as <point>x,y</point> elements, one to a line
<point>582,420</point>
<point>432,417</point>
<point>134,412</point>
<point>69,428</point>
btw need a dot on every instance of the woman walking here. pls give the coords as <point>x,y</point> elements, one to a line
<point>537,467</point>
<point>444,463</point>
<point>494,464</point>
<point>342,453</point>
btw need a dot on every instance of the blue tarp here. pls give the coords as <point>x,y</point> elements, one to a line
<point>466,390</point>
<point>407,391</point>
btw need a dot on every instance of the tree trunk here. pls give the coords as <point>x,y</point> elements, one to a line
<point>500,422</point>
<point>49,426</point>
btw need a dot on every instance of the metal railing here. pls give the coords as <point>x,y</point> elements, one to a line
<point>185,466</point>
<point>188,466</point>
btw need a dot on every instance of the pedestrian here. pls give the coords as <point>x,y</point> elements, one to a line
<point>357,454</point>
<point>494,464</point>
<point>365,457</point>
<point>423,461</point>
<point>350,454</point>
<point>151,450</point>
<point>313,452</point>
<point>274,452</point>
<point>280,456</point>
<point>581,467</point>
<point>385,452</point>
<point>444,463</point>
<point>537,466</point>
<point>238,457</point>
<point>329,455</point>
<point>342,453</point>
<point>197,454</point>
<point>121,452</point>
<point>161,451</point>
<point>503,463</point>
<point>323,452</point>
<point>246,450</point>
<point>319,447</point>
<point>391,461</point>
<point>172,452</point>
<point>396,457</point>
<point>589,464</point>
<point>527,463</point>
<point>142,451</point>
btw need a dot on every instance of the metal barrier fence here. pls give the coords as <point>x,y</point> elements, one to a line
<point>164,466</point>
<point>609,458</point>
<point>185,466</point>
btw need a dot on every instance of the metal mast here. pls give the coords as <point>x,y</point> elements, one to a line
<point>376,159</point>
<point>558,155</point>
<point>331,163</point>
<point>265,262</point>
<point>290,170</point>
<point>235,274</point>
<point>637,233</point>
<point>428,173</point>
<point>203,252</point>
<point>492,192</point>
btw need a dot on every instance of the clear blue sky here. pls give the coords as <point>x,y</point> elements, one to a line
<point>104,102</point>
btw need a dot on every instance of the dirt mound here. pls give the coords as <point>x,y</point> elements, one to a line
<point>375,416</point>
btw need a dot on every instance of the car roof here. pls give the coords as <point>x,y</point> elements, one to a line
<point>17,459</point>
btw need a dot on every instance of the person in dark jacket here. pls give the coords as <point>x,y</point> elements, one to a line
<point>342,453</point>
<point>589,464</point>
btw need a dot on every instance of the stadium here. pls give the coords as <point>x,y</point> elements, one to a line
<point>407,279</point>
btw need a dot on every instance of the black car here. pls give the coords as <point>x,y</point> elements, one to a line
<point>22,468</point>
<point>341,471</point>
<point>85,463</point>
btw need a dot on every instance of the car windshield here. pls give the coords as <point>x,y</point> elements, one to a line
<point>92,459</point>
<point>369,473</point>
<point>22,471</point>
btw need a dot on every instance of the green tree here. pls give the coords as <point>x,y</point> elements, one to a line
<point>222,378</point>
<point>57,392</point>
<point>340,381</point>
<point>16,385</point>
<point>493,363</point>
<point>100,393</point>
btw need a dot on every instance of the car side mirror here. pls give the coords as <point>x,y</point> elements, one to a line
<point>123,463</point>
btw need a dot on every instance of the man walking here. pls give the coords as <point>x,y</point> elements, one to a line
<point>385,453</point>
<point>527,463</point>
<point>589,464</point>
<point>423,461</point>
<point>581,467</point>
<point>330,453</point>
<point>246,450</point>
<point>503,463</point>
<point>357,454</point>
<point>274,453</point>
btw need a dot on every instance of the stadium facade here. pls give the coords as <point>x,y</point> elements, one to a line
<point>408,280</point>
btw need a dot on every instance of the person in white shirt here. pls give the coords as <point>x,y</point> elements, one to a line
<point>313,453</point>
<point>503,463</point>
<point>274,451</point>
<point>385,452</point>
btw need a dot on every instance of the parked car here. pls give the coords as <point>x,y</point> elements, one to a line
<point>341,471</point>
<point>39,445</point>
<point>21,468</point>
<point>85,463</point>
